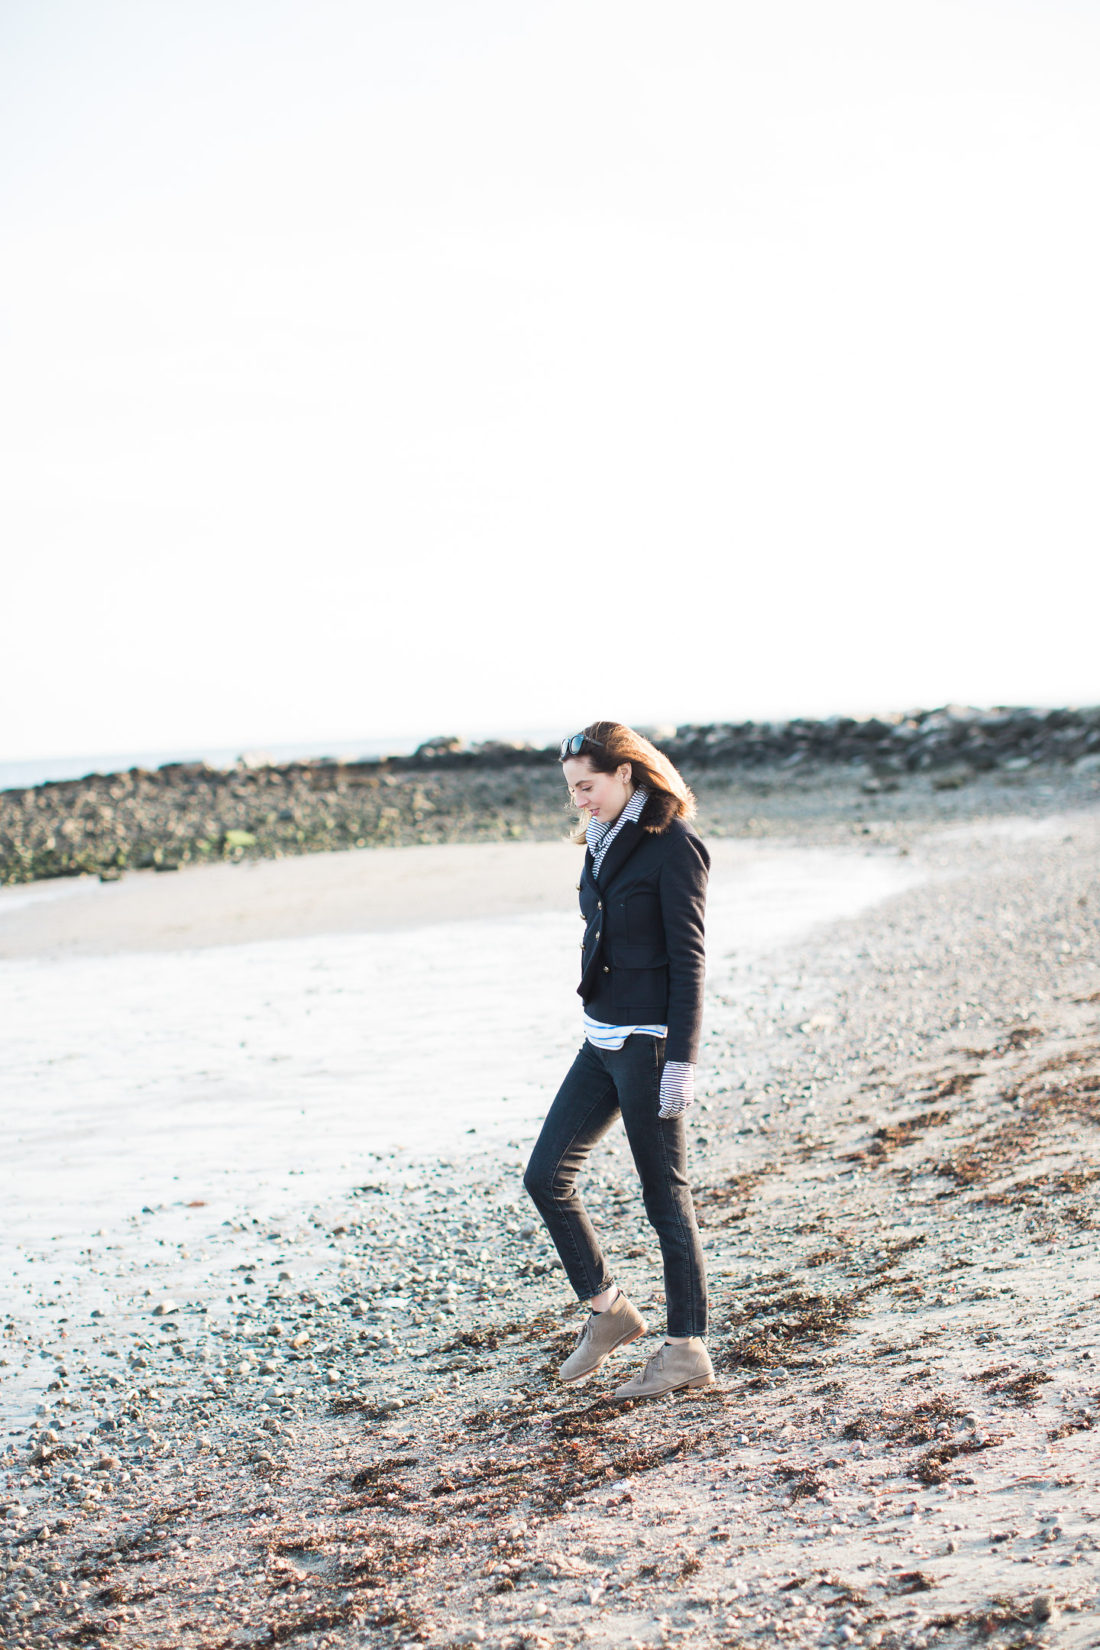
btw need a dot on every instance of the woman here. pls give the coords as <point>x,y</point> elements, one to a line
<point>642,897</point>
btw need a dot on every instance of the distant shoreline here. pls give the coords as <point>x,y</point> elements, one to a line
<point>447,792</point>
<point>30,772</point>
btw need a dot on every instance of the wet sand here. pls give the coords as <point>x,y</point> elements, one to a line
<point>345,892</point>
<point>369,891</point>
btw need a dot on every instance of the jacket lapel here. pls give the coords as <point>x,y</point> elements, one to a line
<point>619,852</point>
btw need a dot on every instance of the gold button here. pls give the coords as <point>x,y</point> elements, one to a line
<point>599,905</point>
<point>606,969</point>
<point>597,933</point>
<point>578,888</point>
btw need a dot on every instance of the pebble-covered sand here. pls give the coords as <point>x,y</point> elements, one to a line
<point>340,1425</point>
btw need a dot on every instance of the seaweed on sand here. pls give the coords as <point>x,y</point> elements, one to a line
<point>1023,1389</point>
<point>801,1481</point>
<point>785,1321</point>
<point>891,1137</point>
<point>1064,1086</point>
<point>723,1205</point>
<point>920,1424</point>
<point>931,1467</point>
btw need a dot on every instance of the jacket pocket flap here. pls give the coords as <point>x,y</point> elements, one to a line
<point>628,955</point>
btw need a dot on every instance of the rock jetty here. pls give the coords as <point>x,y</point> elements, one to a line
<point>186,813</point>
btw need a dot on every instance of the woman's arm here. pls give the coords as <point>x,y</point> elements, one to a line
<point>683,892</point>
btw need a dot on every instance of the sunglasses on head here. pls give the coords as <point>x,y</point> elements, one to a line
<point>575,743</point>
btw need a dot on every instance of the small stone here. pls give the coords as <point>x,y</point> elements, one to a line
<point>162,1308</point>
<point>1044,1608</point>
<point>301,1339</point>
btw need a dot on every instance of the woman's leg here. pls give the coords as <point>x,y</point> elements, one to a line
<point>659,1147</point>
<point>583,1110</point>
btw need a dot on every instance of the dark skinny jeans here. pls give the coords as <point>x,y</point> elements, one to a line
<point>600,1084</point>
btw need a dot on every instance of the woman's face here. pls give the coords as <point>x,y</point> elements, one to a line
<point>604,795</point>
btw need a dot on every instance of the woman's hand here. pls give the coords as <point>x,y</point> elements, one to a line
<point>677,1088</point>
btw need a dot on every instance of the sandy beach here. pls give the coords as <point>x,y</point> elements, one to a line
<point>280,1328</point>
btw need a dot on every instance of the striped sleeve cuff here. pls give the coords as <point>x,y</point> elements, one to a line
<point>677,1088</point>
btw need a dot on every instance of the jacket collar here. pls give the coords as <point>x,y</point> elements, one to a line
<point>597,832</point>
<point>617,854</point>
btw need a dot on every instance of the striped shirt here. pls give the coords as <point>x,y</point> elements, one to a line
<point>600,834</point>
<point>677,1076</point>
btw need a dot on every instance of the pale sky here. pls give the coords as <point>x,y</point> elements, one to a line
<point>423,367</point>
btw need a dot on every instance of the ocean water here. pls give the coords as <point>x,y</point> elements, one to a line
<point>38,770</point>
<point>217,1074</point>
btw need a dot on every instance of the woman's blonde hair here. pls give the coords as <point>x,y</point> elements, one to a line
<point>609,744</point>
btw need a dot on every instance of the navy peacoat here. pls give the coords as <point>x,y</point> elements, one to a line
<point>643,955</point>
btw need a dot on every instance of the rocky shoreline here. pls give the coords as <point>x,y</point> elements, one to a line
<point>189,813</point>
